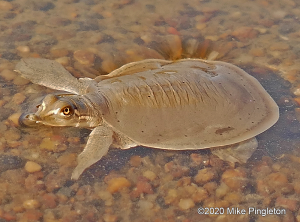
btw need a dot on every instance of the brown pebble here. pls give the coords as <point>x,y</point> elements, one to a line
<point>8,75</point>
<point>263,188</point>
<point>142,187</point>
<point>135,161</point>
<point>200,195</point>
<point>64,34</point>
<point>33,183</point>
<point>107,14</point>
<point>279,46</point>
<point>287,203</point>
<point>106,196</point>
<point>31,204</point>
<point>5,6</point>
<point>67,159</point>
<point>266,22</point>
<point>6,65</point>
<point>53,145</point>
<point>287,189</point>
<point>276,166</point>
<point>116,184</point>
<point>110,218</point>
<point>18,98</point>
<point>196,158</point>
<point>277,180</point>
<point>205,175</point>
<point>14,118</point>
<point>244,33</point>
<point>31,215</point>
<point>171,197</point>
<point>200,26</point>
<point>210,187</point>
<point>222,190</point>
<point>184,181</point>
<point>96,38</point>
<point>32,167</point>
<point>56,53</point>
<point>18,208</point>
<point>12,134</point>
<point>61,198</point>
<point>258,52</point>
<point>84,57</point>
<point>55,180</point>
<point>169,166</point>
<point>149,175</point>
<point>108,65</point>
<point>2,102</point>
<point>185,204</point>
<point>49,200</point>
<point>48,144</point>
<point>23,49</point>
<point>65,61</point>
<point>297,186</point>
<point>233,198</point>
<point>8,216</point>
<point>235,178</point>
<point>20,81</point>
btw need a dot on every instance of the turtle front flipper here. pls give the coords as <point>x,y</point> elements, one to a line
<point>97,146</point>
<point>51,74</point>
<point>239,152</point>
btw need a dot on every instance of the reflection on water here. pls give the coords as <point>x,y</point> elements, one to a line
<point>92,37</point>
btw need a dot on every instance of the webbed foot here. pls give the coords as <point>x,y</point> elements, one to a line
<point>97,146</point>
<point>239,152</point>
<point>51,74</point>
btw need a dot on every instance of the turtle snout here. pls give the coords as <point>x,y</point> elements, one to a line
<point>28,119</point>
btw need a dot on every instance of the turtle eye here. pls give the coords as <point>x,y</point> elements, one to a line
<point>67,110</point>
<point>38,106</point>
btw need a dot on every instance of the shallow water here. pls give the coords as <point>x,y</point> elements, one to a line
<point>92,37</point>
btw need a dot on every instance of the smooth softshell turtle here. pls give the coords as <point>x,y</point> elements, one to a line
<point>176,105</point>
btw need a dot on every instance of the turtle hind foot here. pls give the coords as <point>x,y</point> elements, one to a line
<point>239,152</point>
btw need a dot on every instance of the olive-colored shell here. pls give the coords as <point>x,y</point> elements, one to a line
<point>187,104</point>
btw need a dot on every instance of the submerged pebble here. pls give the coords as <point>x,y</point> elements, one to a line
<point>84,57</point>
<point>31,204</point>
<point>59,52</point>
<point>236,179</point>
<point>185,204</point>
<point>116,184</point>
<point>15,118</point>
<point>23,49</point>
<point>5,6</point>
<point>20,81</point>
<point>8,75</point>
<point>32,167</point>
<point>149,175</point>
<point>205,175</point>
<point>18,98</point>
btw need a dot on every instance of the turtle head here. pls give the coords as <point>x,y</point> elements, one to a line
<point>63,110</point>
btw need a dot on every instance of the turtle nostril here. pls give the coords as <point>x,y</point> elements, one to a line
<point>27,119</point>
